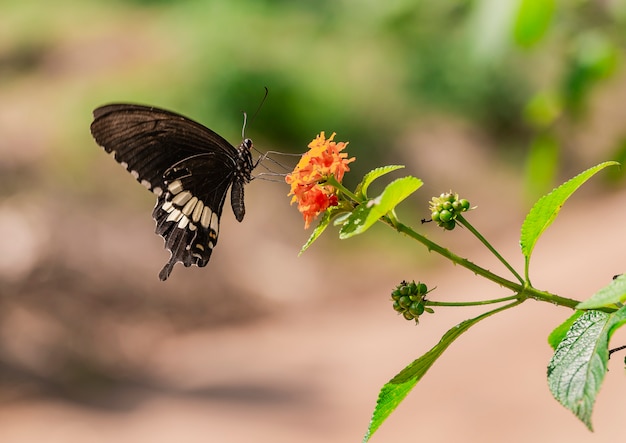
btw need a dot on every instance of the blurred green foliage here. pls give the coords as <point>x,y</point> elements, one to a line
<point>518,69</point>
<point>532,21</point>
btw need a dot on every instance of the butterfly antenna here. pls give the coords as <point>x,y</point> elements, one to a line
<point>243,128</point>
<point>267,91</point>
<point>245,115</point>
<point>265,155</point>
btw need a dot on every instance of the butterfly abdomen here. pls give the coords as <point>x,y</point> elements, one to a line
<point>243,172</point>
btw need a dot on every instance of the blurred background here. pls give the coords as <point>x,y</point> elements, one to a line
<point>498,100</point>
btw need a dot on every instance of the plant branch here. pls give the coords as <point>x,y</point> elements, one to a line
<point>471,303</point>
<point>432,246</point>
<point>523,291</point>
<point>484,241</point>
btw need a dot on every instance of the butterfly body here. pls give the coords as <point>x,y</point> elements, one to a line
<point>186,165</point>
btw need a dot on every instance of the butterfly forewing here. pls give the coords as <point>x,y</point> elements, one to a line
<point>189,167</point>
<point>148,141</point>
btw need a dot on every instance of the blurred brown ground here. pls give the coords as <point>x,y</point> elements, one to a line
<point>261,345</point>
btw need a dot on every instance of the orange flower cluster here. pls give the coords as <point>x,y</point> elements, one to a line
<point>324,159</point>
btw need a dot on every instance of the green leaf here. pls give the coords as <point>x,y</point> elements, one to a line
<point>532,21</point>
<point>393,392</point>
<point>610,296</point>
<point>547,208</point>
<point>579,363</point>
<point>321,227</point>
<point>341,219</point>
<point>368,178</point>
<point>557,335</point>
<point>358,221</point>
<point>367,213</point>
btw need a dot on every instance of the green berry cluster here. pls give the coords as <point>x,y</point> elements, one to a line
<point>409,300</point>
<point>446,207</point>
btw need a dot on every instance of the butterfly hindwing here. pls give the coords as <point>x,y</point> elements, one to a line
<point>195,191</point>
<point>189,167</point>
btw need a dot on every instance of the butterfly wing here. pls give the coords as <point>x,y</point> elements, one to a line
<point>147,141</point>
<point>188,213</point>
<point>189,167</point>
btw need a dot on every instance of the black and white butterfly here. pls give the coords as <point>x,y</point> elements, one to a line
<point>186,165</point>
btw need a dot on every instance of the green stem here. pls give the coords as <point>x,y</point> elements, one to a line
<point>470,303</point>
<point>332,181</point>
<point>484,241</point>
<point>499,309</point>
<point>432,246</point>
<point>539,295</point>
<point>526,266</point>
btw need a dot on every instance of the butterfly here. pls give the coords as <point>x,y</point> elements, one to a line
<point>186,165</point>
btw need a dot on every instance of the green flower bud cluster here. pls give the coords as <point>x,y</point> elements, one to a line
<point>446,207</point>
<point>409,300</point>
